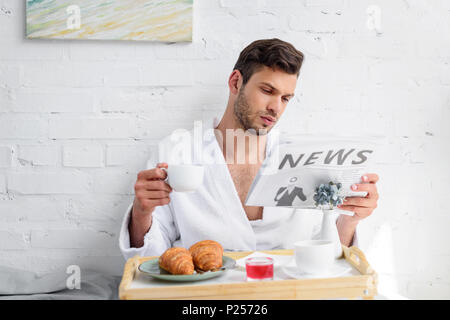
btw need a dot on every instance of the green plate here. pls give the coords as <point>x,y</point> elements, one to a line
<point>151,267</point>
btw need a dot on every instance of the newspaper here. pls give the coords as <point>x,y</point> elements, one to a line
<point>295,167</point>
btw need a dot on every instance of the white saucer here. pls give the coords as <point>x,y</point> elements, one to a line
<point>338,269</point>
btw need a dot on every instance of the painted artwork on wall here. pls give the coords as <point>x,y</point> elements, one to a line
<point>140,20</point>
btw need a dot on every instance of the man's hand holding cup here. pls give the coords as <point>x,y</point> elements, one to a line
<point>151,190</point>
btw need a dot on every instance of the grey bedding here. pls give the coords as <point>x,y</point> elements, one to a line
<point>20,284</point>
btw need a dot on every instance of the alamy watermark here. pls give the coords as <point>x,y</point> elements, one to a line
<point>374,18</point>
<point>73,281</point>
<point>74,19</point>
<point>210,146</point>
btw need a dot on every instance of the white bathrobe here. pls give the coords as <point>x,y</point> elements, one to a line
<point>215,212</point>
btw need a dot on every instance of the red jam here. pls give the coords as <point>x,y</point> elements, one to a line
<point>259,268</point>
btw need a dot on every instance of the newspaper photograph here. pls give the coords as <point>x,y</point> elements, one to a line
<point>295,168</point>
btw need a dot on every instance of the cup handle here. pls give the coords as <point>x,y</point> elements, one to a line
<point>167,174</point>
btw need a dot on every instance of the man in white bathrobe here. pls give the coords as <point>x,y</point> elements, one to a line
<point>261,85</point>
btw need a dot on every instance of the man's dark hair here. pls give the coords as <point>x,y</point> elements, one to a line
<point>273,53</point>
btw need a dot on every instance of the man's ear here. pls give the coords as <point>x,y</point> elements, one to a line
<point>235,81</point>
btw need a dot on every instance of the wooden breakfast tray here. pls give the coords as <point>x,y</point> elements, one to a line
<point>362,285</point>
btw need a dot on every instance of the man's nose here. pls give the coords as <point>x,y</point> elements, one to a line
<point>275,106</point>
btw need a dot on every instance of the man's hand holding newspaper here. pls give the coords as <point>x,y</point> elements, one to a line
<point>295,168</point>
<point>362,206</point>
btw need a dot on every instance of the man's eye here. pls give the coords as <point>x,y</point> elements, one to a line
<point>286,99</point>
<point>266,91</point>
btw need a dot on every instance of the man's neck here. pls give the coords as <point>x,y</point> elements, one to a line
<point>237,148</point>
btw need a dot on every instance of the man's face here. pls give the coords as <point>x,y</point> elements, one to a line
<point>263,99</point>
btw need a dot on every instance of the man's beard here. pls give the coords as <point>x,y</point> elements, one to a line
<point>242,114</point>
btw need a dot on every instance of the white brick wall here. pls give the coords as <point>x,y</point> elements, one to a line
<point>18,126</point>
<point>71,239</point>
<point>83,156</point>
<point>2,184</point>
<point>89,128</point>
<point>5,157</point>
<point>39,155</point>
<point>49,182</point>
<point>79,119</point>
<point>10,240</point>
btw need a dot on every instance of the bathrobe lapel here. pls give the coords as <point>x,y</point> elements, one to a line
<point>238,224</point>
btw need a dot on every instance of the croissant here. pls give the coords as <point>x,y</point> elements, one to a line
<point>207,255</point>
<point>177,260</point>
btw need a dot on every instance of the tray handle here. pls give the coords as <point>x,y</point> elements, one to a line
<point>357,259</point>
<point>128,275</point>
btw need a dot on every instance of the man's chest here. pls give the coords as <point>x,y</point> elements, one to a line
<point>243,175</point>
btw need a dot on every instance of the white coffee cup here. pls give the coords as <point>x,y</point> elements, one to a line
<point>185,177</point>
<point>314,256</point>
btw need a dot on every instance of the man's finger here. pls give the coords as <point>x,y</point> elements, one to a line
<point>348,207</point>
<point>162,165</point>
<point>370,178</point>
<point>155,194</point>
<point>371,189</point>
<point>157,202</point>
<point>160,173</point>
<point>157,185</point>
<point>152,174</point>
<point>360,202</point>
<point>361,211</point>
